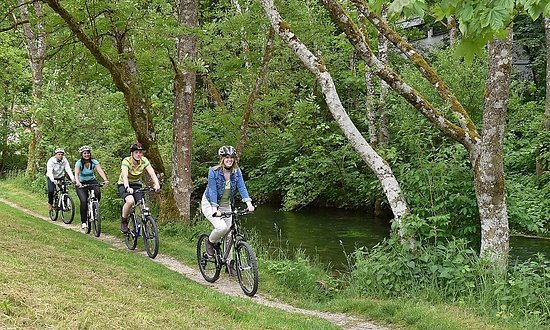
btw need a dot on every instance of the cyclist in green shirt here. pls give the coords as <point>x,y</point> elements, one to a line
<point>131,173</point>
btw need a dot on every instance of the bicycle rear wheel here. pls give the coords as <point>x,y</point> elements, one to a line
<point>150,237</point>
<point>132,236</point>
<point>54,212</point>
<point>247,268</point>
<point>209,267</point>
<point>95,222</point>
<point>67,208</point>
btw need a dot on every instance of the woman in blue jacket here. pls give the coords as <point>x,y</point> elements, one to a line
<point>224,180</point>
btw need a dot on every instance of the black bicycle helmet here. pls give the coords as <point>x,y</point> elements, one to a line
<point>136,146</point>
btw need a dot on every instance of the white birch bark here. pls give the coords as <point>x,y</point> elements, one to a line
<point>369,91</point>
<point>487,156</point>
<point>384,132</point>
<point>380,167</point>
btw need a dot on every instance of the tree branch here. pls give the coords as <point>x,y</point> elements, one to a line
<point>92,46</point>
<point>419,62</point>
<point>356,38</point>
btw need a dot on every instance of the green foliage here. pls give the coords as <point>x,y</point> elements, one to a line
<point>528,194</point>
<point>453,272</point>
<point>300,276</point>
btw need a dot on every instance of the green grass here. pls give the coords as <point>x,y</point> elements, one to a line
<point>178,296</point>
<point>51,277</point>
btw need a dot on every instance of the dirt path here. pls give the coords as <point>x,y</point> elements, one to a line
<point>224,284</point>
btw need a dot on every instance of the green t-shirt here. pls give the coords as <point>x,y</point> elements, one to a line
<point>224,201</point>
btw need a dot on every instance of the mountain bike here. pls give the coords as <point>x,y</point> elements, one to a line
<point>141,223</point>
<point>93,217</point>
<point>233,242</point>
<point>63,203</point>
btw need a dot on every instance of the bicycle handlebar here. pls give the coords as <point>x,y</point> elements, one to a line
<point>146,188</point>
<point>238,212</point>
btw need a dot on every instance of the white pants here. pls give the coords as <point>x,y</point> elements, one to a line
<point>221,225</point>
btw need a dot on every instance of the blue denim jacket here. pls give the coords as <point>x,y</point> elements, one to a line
<point>216,186</point>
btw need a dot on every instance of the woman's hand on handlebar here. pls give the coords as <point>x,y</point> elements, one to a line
<point>250,207</point>
<point>216,212</point>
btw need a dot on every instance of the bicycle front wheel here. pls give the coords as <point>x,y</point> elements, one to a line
<point>150,237</point>
<point>247,268</point>
<point>95,221</point>
<point>208,266</point>
<point>132,236</point>
<point>54,212</point>
<point>67,208</point>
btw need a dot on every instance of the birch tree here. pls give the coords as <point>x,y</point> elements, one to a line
<point>485,148</point>
<point>315,65</point>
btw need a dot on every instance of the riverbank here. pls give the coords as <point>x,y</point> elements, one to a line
<point>299,281</point>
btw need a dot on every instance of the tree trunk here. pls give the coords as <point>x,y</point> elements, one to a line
<point>125,76</point>
<point>213,91</point>
<point>369,91</point>
<point>487,156</point>
<point>35,42</point>
<point>485,151</point>
<point>453,30</point>
<point>383,132</point>
<point>268,52</point>
<point>378,165</point>
<point>184,92</point>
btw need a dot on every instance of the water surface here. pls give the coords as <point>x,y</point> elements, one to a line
<point>325,233</point>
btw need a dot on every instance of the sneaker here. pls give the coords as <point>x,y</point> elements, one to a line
<point>124,226</point>
<point>84,225</point>
<point>209,248</point>
<point>50,207</point>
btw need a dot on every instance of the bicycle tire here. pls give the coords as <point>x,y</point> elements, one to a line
<point>96,217</point>
<point>67,208</point>
<point>208,266</point>
<point>150,237</point>
<point>54,212</point>
<point>247,268</point>
<point>131,237</point>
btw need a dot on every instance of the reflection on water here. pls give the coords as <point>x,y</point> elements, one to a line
<point>319,231</point>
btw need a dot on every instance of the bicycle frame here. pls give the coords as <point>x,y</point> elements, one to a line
<point>91,196</point>
<point>145,226</point>
<point>141,204</point>
<point>60,189</point>
<point>230,239</point>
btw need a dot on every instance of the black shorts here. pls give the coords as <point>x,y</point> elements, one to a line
<point>123,193</point>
